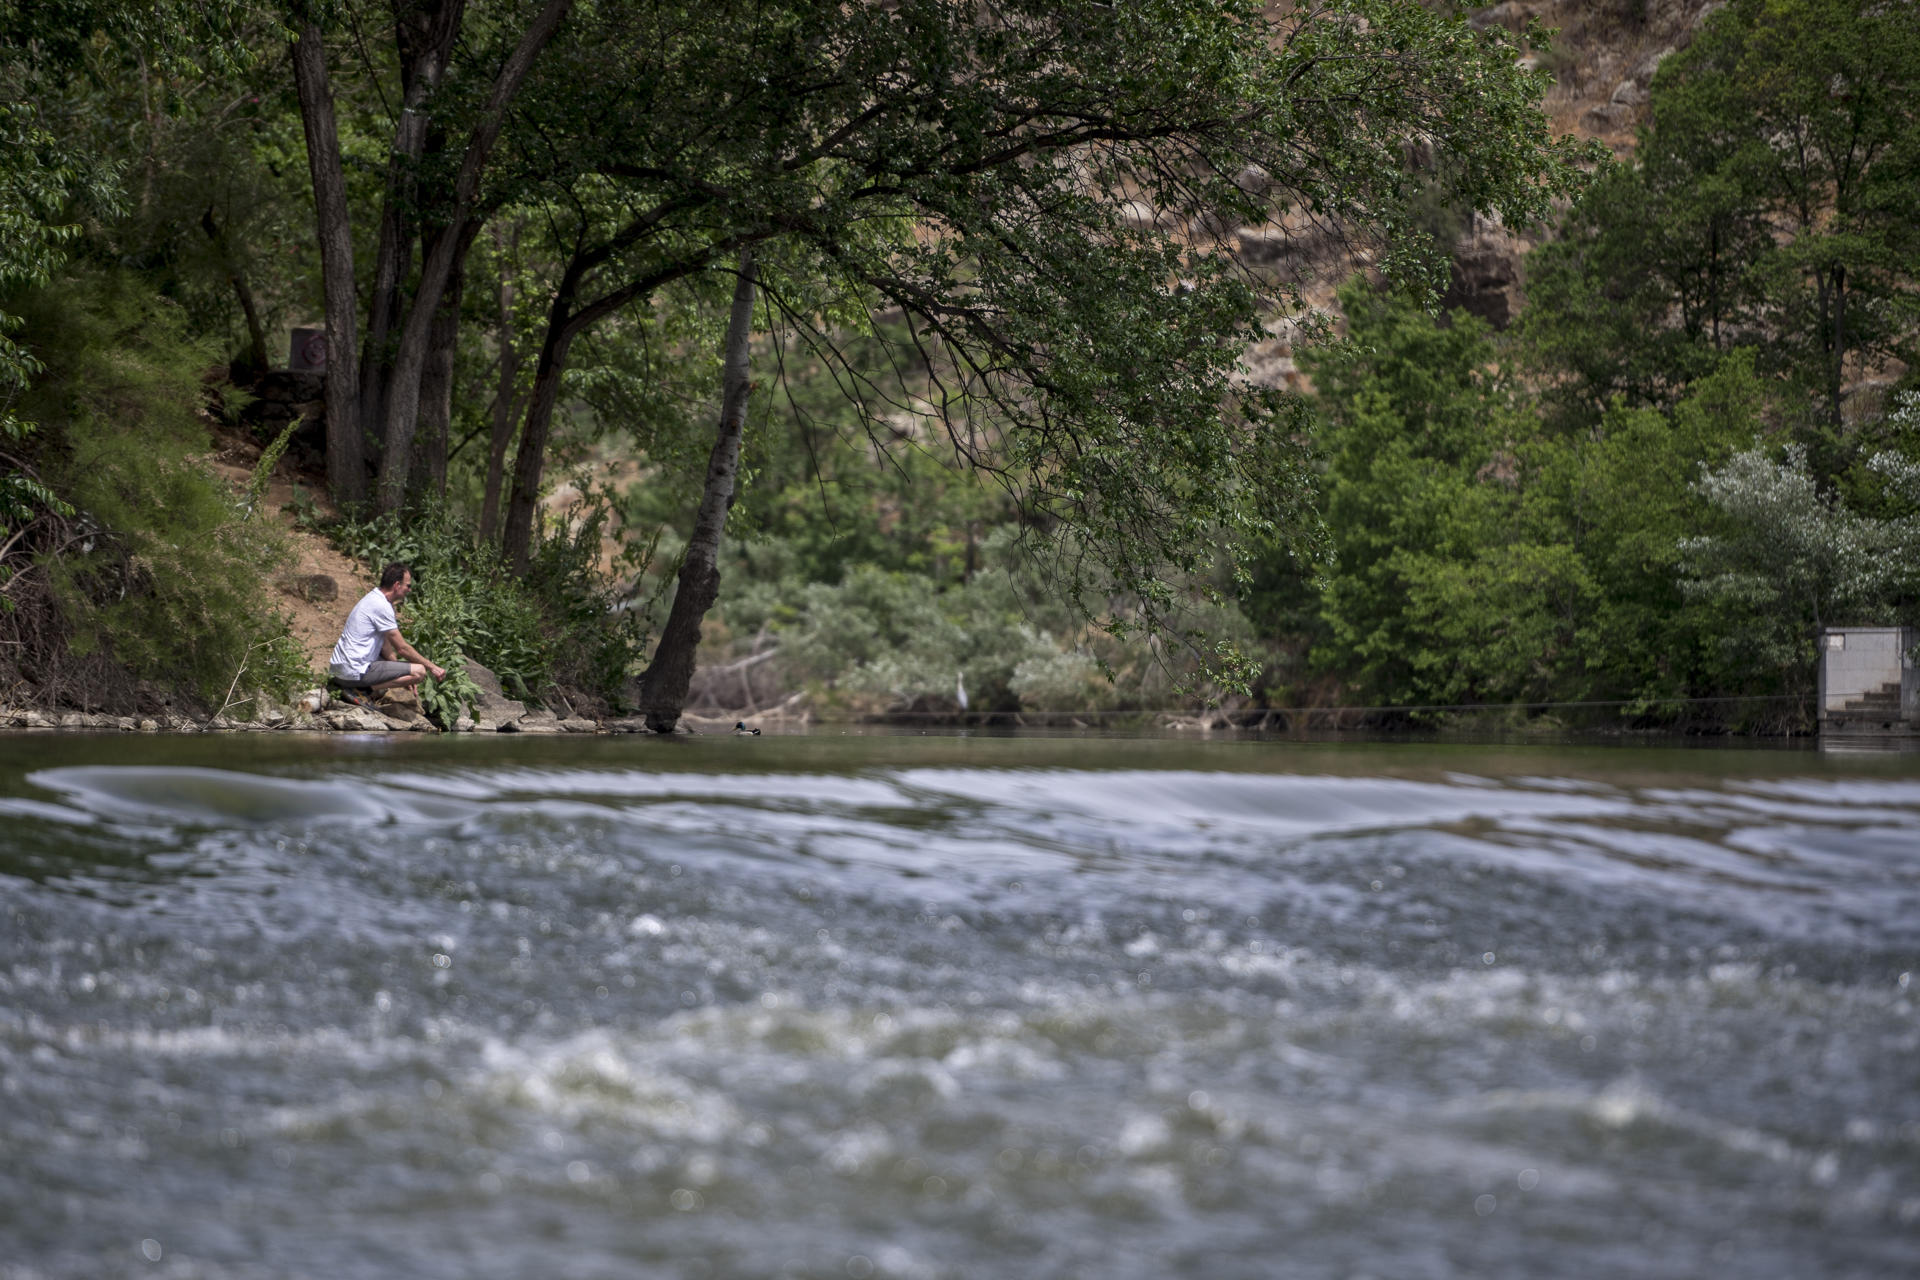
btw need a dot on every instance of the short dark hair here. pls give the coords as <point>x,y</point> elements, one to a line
<point>392,574</point>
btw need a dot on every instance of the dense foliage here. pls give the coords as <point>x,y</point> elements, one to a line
<point>555,627</point>
<point>1687,458</point>
<point>150,570</point>
<point>1000,437</point>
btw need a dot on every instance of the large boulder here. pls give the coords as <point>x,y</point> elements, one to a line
<point>402,709</point>
<point>492,713</point>
<point>489,683</point>
<point>402,700</point>
<point>1487,278</point>
<point>542,721</point>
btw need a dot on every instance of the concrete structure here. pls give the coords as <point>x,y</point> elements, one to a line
<point>1869,684</point>
<point>307,350</point>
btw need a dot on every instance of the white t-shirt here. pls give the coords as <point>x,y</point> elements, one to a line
<point>360,640</point>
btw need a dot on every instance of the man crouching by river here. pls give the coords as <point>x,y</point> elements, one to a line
<point>371,647</point>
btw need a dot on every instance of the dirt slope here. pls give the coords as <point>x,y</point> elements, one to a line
<point>317,585</point>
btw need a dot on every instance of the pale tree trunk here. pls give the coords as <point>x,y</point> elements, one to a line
<point>663,689</point>
<point>446,257</point>
<point>505,400</point>
<point>428,469</point>
<point>346,457</point>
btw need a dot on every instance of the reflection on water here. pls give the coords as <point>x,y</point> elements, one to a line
<point>891,1006</point>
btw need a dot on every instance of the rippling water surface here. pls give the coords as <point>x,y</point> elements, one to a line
<point>945,1007</point>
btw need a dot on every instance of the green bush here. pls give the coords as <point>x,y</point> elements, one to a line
<point>155,570</point>
<point>452,696</point>
<point>597,641</point>
<point>463,599</point>
<point>554,627</point>
<point>882,639</point>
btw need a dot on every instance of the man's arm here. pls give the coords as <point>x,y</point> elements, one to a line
<point>396,644</point>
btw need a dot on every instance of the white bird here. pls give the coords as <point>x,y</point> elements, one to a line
<point>960,689</point>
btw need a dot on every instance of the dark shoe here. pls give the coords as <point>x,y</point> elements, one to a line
<point>356,698</point>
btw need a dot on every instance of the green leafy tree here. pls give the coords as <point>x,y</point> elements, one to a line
<point>157,574</point>
<point>1480,554</point>
<point>1016,139</point>
<point>1623,496</point>
<point>1421,481</point>
<point>1789,560</point>
<point>1770,205</point>
<point>1648,285</point>
<point>41,182</point>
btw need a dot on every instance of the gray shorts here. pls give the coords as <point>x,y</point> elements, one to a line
<point>376,673</point>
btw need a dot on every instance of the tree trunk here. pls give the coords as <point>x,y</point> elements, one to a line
<point>663,689</point>
<point>391,259</point>
<point>256,332</point>
<point>425,38</point>
<point>564,323</point>
<point>505,401</point>
<point>346,456</point>
<point>1838,377</point>
<point>428,470</point>
<point>516,538</point>
<point>1713,279</point>
<point>446,258</point>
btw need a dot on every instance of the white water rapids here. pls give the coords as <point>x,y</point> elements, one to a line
<point>924,1007</point>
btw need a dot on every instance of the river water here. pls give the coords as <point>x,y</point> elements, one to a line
<point>911,1006</point>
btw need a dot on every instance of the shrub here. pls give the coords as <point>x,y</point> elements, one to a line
<point>597,641</point>
<point>155,572</point>
<point>556,626</point>
<point>463,599</point>
<point>451,697</point>
<point>1062,682</point>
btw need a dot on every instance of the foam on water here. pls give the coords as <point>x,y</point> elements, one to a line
<point>464,1020</point>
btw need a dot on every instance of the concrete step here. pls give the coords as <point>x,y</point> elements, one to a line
<point>1889,716</point>
<point>1876,731</point>
<point>1884,700</point>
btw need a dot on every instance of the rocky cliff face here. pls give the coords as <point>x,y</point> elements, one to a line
<point>1603,59</point>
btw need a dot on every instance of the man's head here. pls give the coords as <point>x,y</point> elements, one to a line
<point>395,581</point>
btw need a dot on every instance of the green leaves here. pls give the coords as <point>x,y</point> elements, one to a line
<point>555,626</point>
<point>1770,205</point>
<point>452,696</point>
<point>1043,190</point>
<point>40,179</point>
<point>463,601</point>
<point>1483,556</point>
<point>1791,559</point>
